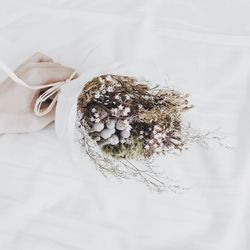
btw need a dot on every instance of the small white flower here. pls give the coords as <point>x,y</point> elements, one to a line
<point>151,141</point>
<point>141,132</point>
<point>117,97</point>
<point>155,145</point>
<point>97,94</point>
<point>147,147</point>
<point>114,111</point>
<point>140,106</point>
<point>140,136</point>
<point>120,125</point>
<point>120,107</point>
<point>127,97</point>
<point>158,150</point>
<point>93,110</point>
<point>110,89</point>
<point>126,111</point>
<point>92,119</point>
<point>96,115</point>
<point>97,119</point>
<point>108,78</point>
<point>156,127</point>
<point>156,136</point>
<point>104,91</point>
<point>101,80</point>
<point>126,123</point>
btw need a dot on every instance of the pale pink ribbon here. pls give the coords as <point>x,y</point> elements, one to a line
<point>52,90</point>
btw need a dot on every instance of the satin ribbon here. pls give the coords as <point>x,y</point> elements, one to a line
<point>52,90</point>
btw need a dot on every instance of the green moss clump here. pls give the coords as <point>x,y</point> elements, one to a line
<point>133,148</point>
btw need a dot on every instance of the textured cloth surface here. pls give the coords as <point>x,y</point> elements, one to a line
<point>49,203</point>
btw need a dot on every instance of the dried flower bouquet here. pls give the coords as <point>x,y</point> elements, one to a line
<point>124,122</point>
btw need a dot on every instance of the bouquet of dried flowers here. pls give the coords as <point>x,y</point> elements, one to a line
<point>123,120</point>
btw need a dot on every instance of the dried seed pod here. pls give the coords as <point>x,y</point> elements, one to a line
<point>114,140</point>
<point>98,127</point>
<point>106,133</point>
<point>113,130</point>
<point>110,124</point>
<point>122,124</point>
<point>125,133</point>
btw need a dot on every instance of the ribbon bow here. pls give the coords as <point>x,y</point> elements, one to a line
<point>52,90</point>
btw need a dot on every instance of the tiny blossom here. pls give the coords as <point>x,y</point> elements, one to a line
<point>97,94</point>
<point>120,107</point>
<point>151,141</point>
<point>101,80</point>
<point>117,97</point>
<point>141,136</point>
<point>147,147</point>
<point>126,111</point>
<point>96,115</point>
<point>127,97</point>
<point>157,136</point>
<point>97,119</point>
<point>154,132</point>
<point>110,89</point>
<point>93,110</point>
<point>126,122</point>
<point>104,91</point>
<point>114,111</point>
<point>141,132</point>
<point>157,127</point>
<point>92,119</point>
<point>140,106</point>
<point>108,78</point>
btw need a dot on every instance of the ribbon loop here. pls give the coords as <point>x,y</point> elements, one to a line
<point>52,90</point>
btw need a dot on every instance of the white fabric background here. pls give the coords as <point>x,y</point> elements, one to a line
<point>48,203</point>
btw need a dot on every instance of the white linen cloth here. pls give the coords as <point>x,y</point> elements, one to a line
<point>47,202</point>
